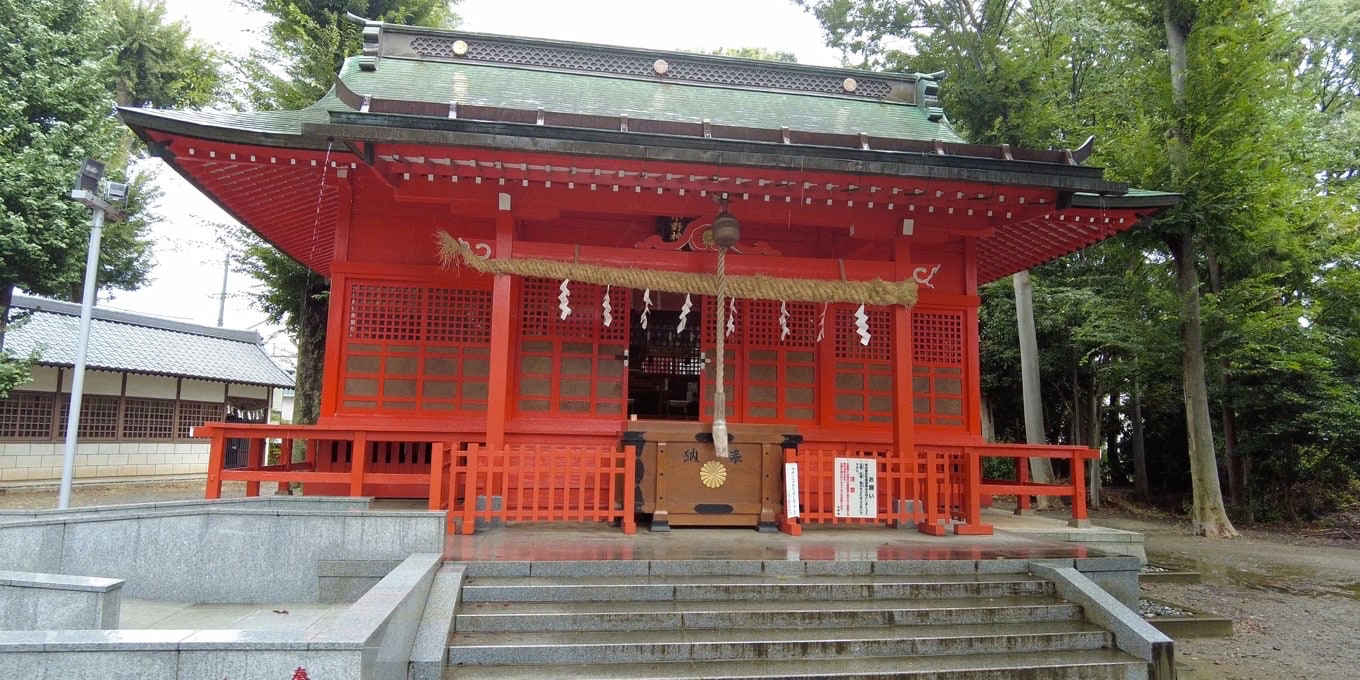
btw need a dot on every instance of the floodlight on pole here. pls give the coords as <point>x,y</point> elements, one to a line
<point>85,192</point>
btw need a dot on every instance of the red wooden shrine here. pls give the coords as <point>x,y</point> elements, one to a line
<point>478,392</point>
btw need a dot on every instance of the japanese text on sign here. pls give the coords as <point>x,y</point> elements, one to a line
<point>856,487</point>
<point>791,508</point>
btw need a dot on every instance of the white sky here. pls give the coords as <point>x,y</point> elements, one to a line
<point>187,278</point>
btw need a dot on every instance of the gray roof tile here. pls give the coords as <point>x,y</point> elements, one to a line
<point>121,341</point>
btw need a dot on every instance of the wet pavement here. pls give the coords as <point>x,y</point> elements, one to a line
<point>600,542</point>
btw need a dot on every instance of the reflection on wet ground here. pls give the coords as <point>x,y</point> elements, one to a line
<point>598,542</point>
<point>1270,578</point>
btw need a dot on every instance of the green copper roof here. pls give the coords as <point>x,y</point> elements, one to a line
<point>604,95</point>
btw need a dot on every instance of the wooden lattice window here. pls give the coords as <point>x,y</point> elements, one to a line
<point>416,348</point>
<point>27,415</point>
<point>98,417</point>
<point>863,373</point>
<point>194,413</point>
<point>572,365</point>
<point>148,418</point>
<point>779,374</point>
<point>383,312</point>
<point>937,367</point>
<point>737,321</point>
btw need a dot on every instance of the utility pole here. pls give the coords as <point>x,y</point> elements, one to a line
<point>222,301</point>
<point>86,192</point>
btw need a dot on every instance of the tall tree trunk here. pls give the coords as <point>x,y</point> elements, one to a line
<point>1093,422</point>
<point>6,299</point>
<point>1237,493</point>
<point>1136,451</point>
<point>988,420</point>
<point>1040,469</point>
<point>1110,422</point>
<point>311,357</point>
<point>1208,517</point>
<point>1078,426</point>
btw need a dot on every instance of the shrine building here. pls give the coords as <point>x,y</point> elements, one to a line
<point>548,260</point>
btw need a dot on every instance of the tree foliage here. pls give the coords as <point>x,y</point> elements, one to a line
<point>1261,144</point>
<point>309,40</point>
<point>754,53</point>
<point>67,63</point>
<point>155,62</point>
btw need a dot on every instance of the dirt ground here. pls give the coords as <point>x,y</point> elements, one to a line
<point>1294,600</point>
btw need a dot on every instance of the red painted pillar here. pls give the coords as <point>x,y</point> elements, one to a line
<point>358,463</point>
<point>502,306</point>
<point>254,461</point>
<point>436,501</point>
<point>919,487</point>
<point>1078,487</point>
<point>216,458</point>
<point>338,310</point>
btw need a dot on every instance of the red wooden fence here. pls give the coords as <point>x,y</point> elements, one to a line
<point>545,483</point>
<point>940,486</point>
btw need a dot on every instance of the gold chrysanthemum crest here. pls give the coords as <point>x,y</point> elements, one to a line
<point>713,474</point>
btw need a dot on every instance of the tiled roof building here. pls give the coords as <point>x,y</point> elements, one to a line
<point>148,382</point>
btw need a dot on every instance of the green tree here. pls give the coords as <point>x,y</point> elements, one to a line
<point>312,38</point>
<point>754,53</point>
<point>1251,244</point>
<point>56,112</point>
<point>66,66</point>
<point>297,298</point>
<point>156,63</point>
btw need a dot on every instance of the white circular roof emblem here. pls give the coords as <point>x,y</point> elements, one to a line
<point>849,84</point>
<point>661,67</point>
<point>460,47</point>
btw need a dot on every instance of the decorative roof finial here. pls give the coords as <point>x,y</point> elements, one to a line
<point>372,41</point>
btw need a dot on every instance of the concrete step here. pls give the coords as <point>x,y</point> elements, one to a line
<point>717,567</point>
<point>727,588</point>
<point>1098,664</point>
<point>642,646</point>
<point>484,617</point>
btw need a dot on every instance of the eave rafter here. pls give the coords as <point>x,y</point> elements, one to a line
<point>261,186</point>
<point>289,195</point>
<point>958,208</point>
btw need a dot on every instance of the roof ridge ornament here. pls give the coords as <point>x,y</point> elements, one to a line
<point>928,95</point>
<point>372,35</point>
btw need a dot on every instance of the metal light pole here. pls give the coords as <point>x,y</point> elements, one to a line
<point>87,184</point>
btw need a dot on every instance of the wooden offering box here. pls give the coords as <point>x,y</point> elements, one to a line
<point>682,482</point>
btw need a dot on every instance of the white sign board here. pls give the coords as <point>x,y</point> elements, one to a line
<point>856,487</point>
<point>791,508</point>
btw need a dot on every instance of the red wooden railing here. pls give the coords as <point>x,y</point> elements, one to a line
<point>1022,488</point>
<point>545,483</point>
<point>817,479</point>
<point>940,486</point>
<point>352,462</point>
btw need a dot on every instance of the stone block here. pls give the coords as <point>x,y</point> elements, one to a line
<point>108,665</point>
<point>32,546</point>
<point>39,601</point>
<point>429,652</point>
<point>266,664</point>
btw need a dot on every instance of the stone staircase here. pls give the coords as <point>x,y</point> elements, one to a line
<point>771,619</point>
